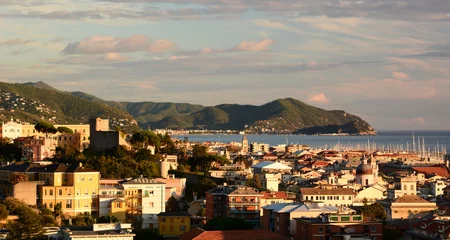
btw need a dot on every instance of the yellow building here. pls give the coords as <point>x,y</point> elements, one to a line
<point>79,137</point>
<point>172,224</point>
<point>74,187</point>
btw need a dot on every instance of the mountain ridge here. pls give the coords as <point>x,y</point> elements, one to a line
<point>284,115</point>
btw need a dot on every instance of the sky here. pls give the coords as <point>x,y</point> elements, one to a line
<point>387,61</point>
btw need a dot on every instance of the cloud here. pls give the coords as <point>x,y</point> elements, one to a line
<point>254,46</point>
<point>318,98</point>
<point>400,75</point>
<point>275,25</point>
<point>14,42</point>
<point>115,57</point>
<point>107,44</point>
<point>420,121</point>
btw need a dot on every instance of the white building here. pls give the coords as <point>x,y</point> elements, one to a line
<point>105,231</point>
<point>329,197</point>
<point>403,186</point>
<point>437,188</point>
<point>11,130</point>
<point>367,174</point>
<point>149,199</point>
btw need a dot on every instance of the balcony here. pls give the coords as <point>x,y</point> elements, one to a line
<point>245,211</point>
<point>244,203</point>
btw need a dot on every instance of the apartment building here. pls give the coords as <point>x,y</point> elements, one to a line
<point>145,199</point>
<point>75,187</point>
<point>337,226</point>
<point>36,148</point>
<point>329,197</point>
<point>173,224</point>
<point>234,201</point>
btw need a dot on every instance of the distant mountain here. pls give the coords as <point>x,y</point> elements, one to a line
<point>32,102</point>
<point>279,116</point>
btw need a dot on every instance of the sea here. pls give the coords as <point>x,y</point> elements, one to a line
<point>384,140</point>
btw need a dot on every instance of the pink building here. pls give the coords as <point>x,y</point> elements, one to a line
<point>36,148</point>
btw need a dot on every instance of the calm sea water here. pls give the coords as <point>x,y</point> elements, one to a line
<point>384,139</point>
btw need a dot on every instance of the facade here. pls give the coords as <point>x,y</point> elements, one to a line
<point>36,148</point>
<point>408,206</point>
<point>11,130</point>
<point>74,187</point>
<point>112,199</point>
<point>329,197</point>
<point>145,199</point>
<point>234,201</point>
<point>279,217</point>
<point>176,186</point>
<point>437,188</point>
<point>337,226</point>
<point>259,147</point>
<point>403,186</point>
<point>173,224</point>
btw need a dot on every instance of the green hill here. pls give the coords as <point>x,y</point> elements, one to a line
<point>35,101</point>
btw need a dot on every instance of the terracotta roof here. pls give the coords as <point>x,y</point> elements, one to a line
<point>198,234</point>
<point>410,199</point>
<point>318,191</point>
<point>276,194</point>
<point>433,170</point>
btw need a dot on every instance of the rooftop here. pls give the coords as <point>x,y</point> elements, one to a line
<point>142,180</point>
<point>199,234</point>
<point>318,191</point>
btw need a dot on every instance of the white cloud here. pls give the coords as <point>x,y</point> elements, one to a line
<point>254,46</point>
<point>400,75</point>
<point>275,25</point>
<point>13,42</point>
<point>319,98</point>
<point>418,121</point>
<point>107,44</point>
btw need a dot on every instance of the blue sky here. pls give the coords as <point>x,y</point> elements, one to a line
<point>385,60</point>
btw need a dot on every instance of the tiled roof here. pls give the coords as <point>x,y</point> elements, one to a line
<point>198,234</point>
<point>142,180</point>
<point>318,191</point>
<point>277,194</point>
<point>433,170</point>
<point>410,199</point>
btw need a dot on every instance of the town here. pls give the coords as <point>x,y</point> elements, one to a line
<point>73,182</point>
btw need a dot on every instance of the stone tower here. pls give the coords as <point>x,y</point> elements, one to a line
<point>244,144</point>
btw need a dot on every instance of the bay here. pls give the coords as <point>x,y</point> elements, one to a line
<point>383,140</point>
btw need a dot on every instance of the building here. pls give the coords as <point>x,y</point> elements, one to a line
<point>112,199</point>
<point>145,199</point>
<point>337,226</point>
<point>329,197</point>
<point>403,186</point>
<point>200,234</point>
<point>367,174</point>
<point>407,206</point>
<point>279,217</point>
<point>234,201</point>
<point>436,227</point>
<point>173,224</point>
<point>259,147</point>
<point>245,146</point>
<point>74,187</point>
<point>101,138</point>
<point>105,231</point>
<point>272,197</point>
<point>11,130</point>
<point>36,148</point>
<point>175,187</point>
<point>437,188</point>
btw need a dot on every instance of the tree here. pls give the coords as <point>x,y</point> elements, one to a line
<point>3,212</point>
<point>172,205</point>
<point>144,139</point>
<point>107,219</point>
<point>254,182</point>
<point>46,128</point>
<point>57,212</point>
<point>227,223</point>
<point>18,177</point>
<point>28,226</point>
<point>65,130</point>
<point>373,211</point>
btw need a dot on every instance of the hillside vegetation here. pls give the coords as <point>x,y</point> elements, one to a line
<point>286,115</point>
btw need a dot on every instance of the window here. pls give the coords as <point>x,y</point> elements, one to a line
<point>86,192</point>
<point>60,192</point>
<point>183,228</point>
<point>152,204</point>
<point>412,187</point>
<point>163,219</point>
<point>349,197</point>
<point>321,230</point>
<point>51,192</point>
<point>118,205</point>
<point>405,187</point>
<point>69,203</point>
<point>82,178</point>
<point>93,191</point>
<point>51,205</point>
<point>90,178</point>
<point>373,229</point>
<point>306,198</point>
<point>233,199</point>
<point>171,227</point>
<point>45,192</point>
